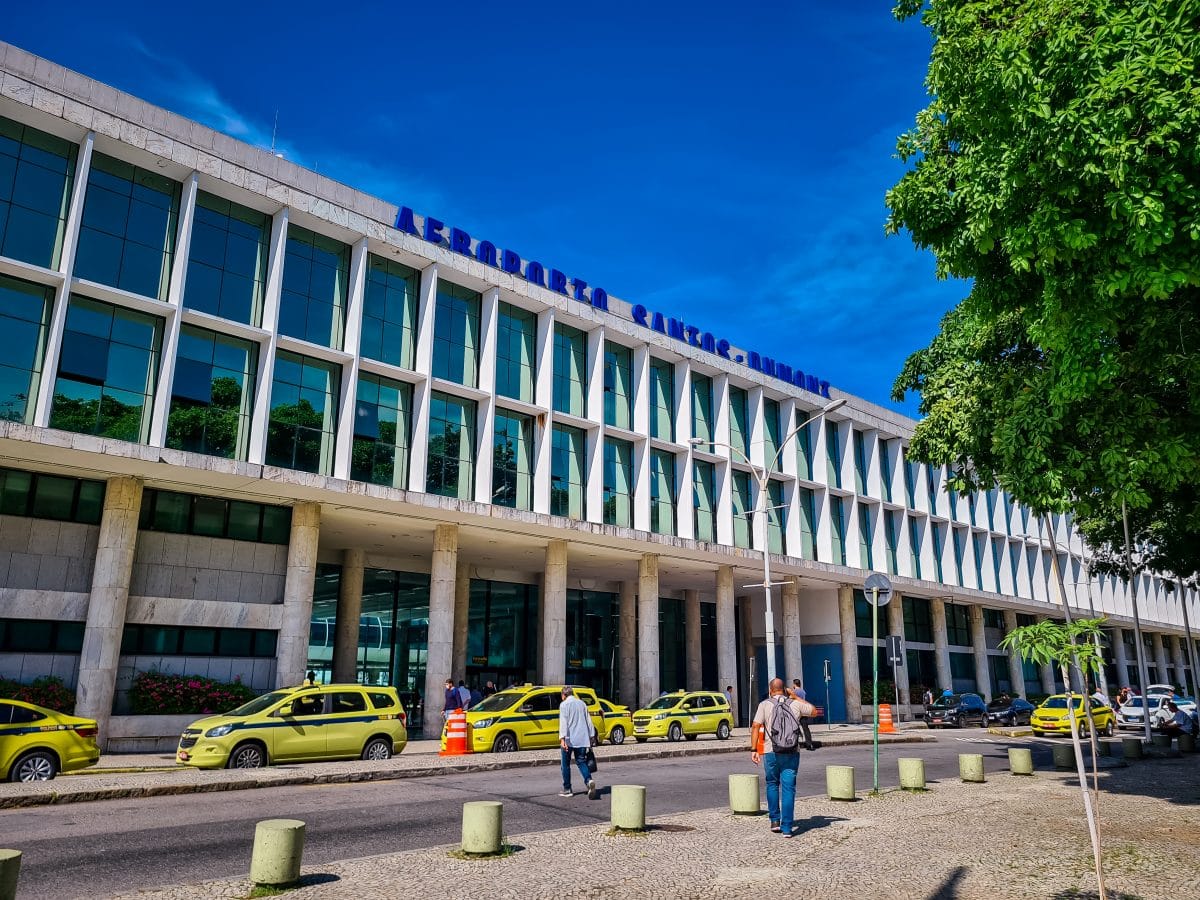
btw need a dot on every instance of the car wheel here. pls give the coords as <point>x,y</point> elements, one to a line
<point>40,765</point>
<point>505,743</point>
<point>617,735</point>
<point>377,748</point>
<point>723,731</point>
<point>675,732</point>
<point>1109,729</point>
<point>247,756</point>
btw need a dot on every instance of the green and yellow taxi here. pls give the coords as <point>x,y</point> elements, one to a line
<point>37,743</point>
<point>522,718</point>
<point>684,714</point>
<point>300,724</point>
<point>617,722</point>
<point>1053,716</point>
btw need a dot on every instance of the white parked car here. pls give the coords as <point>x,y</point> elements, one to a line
<point>1129,715</point>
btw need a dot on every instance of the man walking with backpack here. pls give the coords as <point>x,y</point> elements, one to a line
<point>775,741</point>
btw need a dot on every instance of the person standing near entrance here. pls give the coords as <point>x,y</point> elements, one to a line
<point>774,741</point>
<point>575,737</point>
<point>452,701</point>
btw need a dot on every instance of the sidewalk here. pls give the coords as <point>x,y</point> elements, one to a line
<point>121,776</point>
<point>1018,838</point>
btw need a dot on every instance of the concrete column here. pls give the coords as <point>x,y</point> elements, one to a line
<point>983,674</point>
<point>349,612</point>
<point>853,686</point>
<point>554,614</point>
<point>439,658</point>
<point>106,605</point>
<point>462,606</point>
<point>291,657</point>
<point>1047,672</point>
<point>941,647</point>
<point>691,624</point>
<point>648,681</point>
<point>1016,673</point>
<point>895,625</point>
<point>628,641</point>
<point>793,660</point>
<point>727,636</point>
<point>1160,657</point>
<point>1120,658</point>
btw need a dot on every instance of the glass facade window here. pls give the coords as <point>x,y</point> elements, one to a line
<point>50,497</point>
<point>127,236</point>
<point>914,547</point>
<point>591,638</point>
<point>389,319</point>
<point>212,394</point>
<point>450,467</point>
<point>303,418</point>
<point>922,672</point>
<point>238,520</point>
<point>516,333</point>
<point>618,385</point>
<point>502,631</point>
<point>939,547</point>
<point>107,371</point>
<point>24,318</point>
<point>776,518</point>
<point>860,461</point>
<point>960,540</point>
<point>227,260</point>
<point>911,471</point>
<point>739,423</point>
<point>918,621</point>
<point>456,334</point>
<point>866,553</point>
<point>662,400</point>
<point>980,541</point>
<point>170,640</point>
<point>672,663</point>
<point>808,523</point>
<point>568,472</point>
<point>962,672</point>
<point>570,370</point>
<point>772,433</point>
<point>833,455</point>
<point>702,408</point>
<point>891,537</point>
<point>663,494</point>
<point>837,529</point>
<point>37,171</point>
<point>40,636</point>
<point>704,500</point>
<point>862,623</point>
<point>618,482</point>
<point>804,451</point>
<point>743,510</point>
<point>315,280</point>
<point>512,460</point>
<point>382,424</point>
<point>958,625</point>
<point>997,560</point>
<point>885,469</point>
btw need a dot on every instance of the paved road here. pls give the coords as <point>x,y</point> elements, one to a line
<point>96,849</point>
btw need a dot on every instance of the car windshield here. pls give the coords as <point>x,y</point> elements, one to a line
<point>664,702</point>
<point>1058,703</point>
<point>1001,703</point>
<point>1134,702</point>
<point>258,704</point>
<point>945,702</point>
<point>497,702</point>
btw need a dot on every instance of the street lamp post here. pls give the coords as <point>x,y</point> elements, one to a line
<point>762,477</point>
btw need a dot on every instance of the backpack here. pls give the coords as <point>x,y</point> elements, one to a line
<point>784,728</point>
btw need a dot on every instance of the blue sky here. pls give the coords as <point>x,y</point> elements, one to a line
<point>725,165</point>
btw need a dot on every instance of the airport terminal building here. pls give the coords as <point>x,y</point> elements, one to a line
<point>253,422</point>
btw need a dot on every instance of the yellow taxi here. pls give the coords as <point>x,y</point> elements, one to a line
<point>1052,716</point>
<point>37,743</point>
<point>311,722</point>
<point>684,714</point>
<point>522,718</point>
<point>617,722</point>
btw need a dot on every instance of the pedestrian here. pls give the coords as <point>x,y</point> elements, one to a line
<point>476,696</point>
<point>1180,722</point>
<point>452,702</point>
<point>1123,696</point>
<point>774,740</point>
<point>1100,697</point>
<point>798,693</point>
<point>927,698</point>
<point>489,689</point>
<point>576,735</point>
<point>464,694</point>
<point>729,694</point>
<point>311,678</point>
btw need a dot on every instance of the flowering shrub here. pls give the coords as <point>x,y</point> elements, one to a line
<point>48,691</point>
<point>159,694</point>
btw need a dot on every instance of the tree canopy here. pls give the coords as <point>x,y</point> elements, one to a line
<point>1056,167</point>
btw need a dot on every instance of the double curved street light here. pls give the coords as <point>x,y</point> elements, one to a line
<point>762,475</point>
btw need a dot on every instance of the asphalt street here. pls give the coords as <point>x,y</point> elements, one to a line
<point>101,848</point>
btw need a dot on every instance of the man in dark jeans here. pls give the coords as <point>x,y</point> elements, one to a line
<point>798,694</point>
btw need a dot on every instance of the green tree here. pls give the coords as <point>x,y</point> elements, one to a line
<point>1057,168</point>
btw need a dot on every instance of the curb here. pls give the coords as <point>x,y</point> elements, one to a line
<point>245,784</point>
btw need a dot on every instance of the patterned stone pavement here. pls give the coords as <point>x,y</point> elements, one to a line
<point>1008,838</point>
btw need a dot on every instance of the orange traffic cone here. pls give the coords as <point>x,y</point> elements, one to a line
<point>886,725</point>
<point>456,735</point>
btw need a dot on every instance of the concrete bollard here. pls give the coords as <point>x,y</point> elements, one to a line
<point>10,868</point>
<point>1133,748</point>
<point>1020,761</point>
<point>629,806</point>
<point>1064,756</point>
<point>1104,748</point>
<point>278,846</point>
<point>1187,743</point>
<point>970,767</point>
<point>744,795</point>
<point>912,773</point>
<point>483,827</point>
<point>1161,740</point>
<point>839,782</point>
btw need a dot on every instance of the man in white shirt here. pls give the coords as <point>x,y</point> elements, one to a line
<point>575,733</point>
